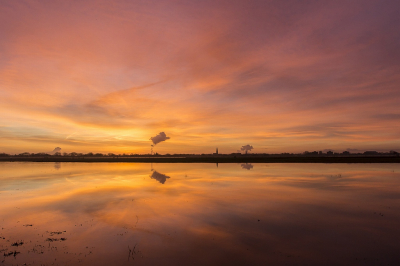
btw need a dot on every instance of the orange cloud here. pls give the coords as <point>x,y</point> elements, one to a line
<point>271,74</point>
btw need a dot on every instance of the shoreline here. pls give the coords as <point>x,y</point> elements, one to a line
<point>210,159</point>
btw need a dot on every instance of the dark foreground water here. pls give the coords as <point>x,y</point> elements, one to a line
<point>199,214</point>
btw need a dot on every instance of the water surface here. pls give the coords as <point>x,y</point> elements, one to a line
<point>199,214</point>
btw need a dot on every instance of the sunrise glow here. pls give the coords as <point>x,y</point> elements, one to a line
<point>285,76</point>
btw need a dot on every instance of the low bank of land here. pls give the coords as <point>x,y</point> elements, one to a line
<point>209,159</point>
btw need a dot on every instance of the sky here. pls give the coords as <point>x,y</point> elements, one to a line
<point>282,76</point>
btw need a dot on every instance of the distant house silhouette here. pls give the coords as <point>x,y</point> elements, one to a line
<point>370,152</point>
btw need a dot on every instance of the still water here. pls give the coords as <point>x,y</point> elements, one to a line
<point>199,214</point>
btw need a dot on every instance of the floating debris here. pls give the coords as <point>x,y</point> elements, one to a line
<point>17,244</point>
<point>131,252</point>
<point>55,239</point>
<point>11,253</point>
<point>56,233</point>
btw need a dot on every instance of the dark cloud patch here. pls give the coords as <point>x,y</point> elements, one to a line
<point>159,138</point>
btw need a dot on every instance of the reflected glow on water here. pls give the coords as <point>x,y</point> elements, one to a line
<point>176,214</point>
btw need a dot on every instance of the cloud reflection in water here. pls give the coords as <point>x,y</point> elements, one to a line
<point>159,177</point>
<point>289,215</point>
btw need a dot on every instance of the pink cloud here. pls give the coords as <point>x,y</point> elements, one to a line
<point>308,72</point>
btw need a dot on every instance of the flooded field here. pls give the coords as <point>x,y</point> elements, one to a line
<point>199,214</point>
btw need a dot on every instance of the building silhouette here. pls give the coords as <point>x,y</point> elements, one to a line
<point>216,152</point>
